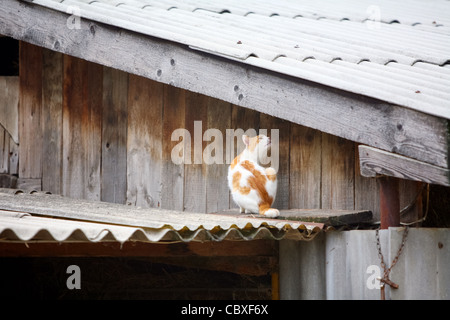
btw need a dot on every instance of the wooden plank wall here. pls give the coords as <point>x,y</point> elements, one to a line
<point>89,131</point>
<point>9,131</point>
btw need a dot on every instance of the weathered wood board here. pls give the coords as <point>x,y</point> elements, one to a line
<point>82,122</point>
<point>9,106</point>
<point>114,136</point>
<point>338,173</point>
<point>329,217</point>
<point>144,142</point>
<point>375,162</point>
<point>13,157</point>
<point>334,218</point>
<point>305,169</point>
<point>52,120</point>
<point>30,111</point>
<point>172,174</point>
<point>282,163</point>
<point>4,150</point>
<point>196,123</point>
<point>217,192</point>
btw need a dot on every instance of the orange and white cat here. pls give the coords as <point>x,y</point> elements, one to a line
<point>252,186</point>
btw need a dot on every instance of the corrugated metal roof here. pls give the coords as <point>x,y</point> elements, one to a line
<point>44,217</point>
<point>337,43</point>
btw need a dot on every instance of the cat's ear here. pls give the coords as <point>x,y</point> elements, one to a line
<point>246,139</point>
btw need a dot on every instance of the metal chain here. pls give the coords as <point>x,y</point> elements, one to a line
<point>380,254</point>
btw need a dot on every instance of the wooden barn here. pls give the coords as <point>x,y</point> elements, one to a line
<point>119,119</point>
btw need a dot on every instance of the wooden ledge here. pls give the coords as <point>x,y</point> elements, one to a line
<point>375,162</point>
<point>329,217</point>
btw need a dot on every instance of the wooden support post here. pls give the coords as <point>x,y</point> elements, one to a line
<point>275,286</point>
<point>389,202</point>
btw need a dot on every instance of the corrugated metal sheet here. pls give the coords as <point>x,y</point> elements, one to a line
<point>44,217</point>
<point>345,265</point>
<point>336,43</point>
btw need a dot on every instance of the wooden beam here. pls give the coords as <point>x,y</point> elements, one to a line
<point>368,121</point>
<point>29,184</point>
<point>374,162</point>
<point>389,202</point>
<point>139,249</point>
<point>256,258</point>
<point>252,265</point>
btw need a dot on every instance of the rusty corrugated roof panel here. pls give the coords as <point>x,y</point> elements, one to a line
<point>373,48</point>
<point>44,217</point>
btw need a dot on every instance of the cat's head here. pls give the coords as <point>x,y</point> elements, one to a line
<point>257,148</point>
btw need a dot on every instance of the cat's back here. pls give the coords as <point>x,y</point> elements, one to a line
<point>245,169</point>
<point>245,166</point>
